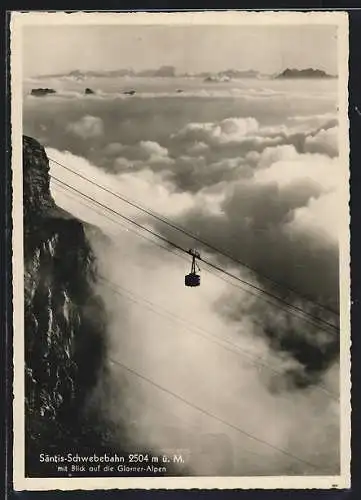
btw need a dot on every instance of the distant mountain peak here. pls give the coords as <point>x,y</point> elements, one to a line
<point>304,73</point>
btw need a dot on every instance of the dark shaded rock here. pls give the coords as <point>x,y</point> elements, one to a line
<point>37,199</point>
<point>42,92</point>
<point>64,320</point>
<point>129,92</point>
<point>89,91</point>
<point>303,73</point>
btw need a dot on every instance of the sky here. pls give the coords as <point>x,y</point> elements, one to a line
<point>268,49</point>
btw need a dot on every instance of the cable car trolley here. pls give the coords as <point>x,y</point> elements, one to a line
<point>193,279</point>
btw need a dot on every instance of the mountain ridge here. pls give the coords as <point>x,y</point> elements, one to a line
<point>65,346</point>
<point>64,323</point>
<point>169,71</point>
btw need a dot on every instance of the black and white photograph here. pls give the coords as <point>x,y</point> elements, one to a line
<point>181,285</point>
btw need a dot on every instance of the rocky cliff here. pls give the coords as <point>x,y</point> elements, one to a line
<point>42,92</point>
<point>64,319</point>
<point>65,332</point>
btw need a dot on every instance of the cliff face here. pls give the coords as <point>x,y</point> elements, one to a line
<point>64,320</point>
<point>64,344</point>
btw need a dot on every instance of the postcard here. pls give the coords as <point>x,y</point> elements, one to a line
<point>181,271</point>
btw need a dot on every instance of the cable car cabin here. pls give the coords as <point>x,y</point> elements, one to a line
<point>193,279</point>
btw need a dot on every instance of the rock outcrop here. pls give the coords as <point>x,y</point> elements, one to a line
<point>64,319</point>
<point>64,335</point>
<point>303,73</point>
<point>42,92</point>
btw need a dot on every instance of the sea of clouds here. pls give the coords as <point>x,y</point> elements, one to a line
<point>257,174</point>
